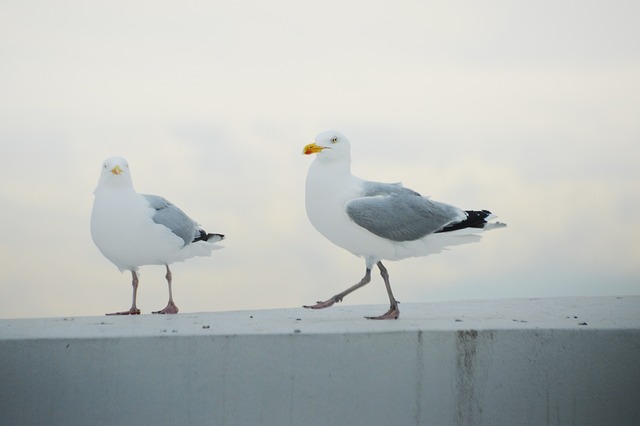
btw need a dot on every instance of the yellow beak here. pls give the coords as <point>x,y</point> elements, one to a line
<point>116,170</point>
<point>312,148</point>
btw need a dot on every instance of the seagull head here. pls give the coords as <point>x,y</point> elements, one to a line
<point>115,173</point>
<point>329,145</point>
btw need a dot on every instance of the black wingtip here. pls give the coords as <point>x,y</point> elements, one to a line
<point>206,237</point>
<point>475,219</point>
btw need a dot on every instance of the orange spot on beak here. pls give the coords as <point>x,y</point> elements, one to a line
<point>312,148</point>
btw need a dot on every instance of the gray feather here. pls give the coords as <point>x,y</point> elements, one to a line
<point>399,214</point>
<point>176,220</point>
<point>372,189</point>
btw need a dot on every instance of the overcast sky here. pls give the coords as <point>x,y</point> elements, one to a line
<point>528,109</point>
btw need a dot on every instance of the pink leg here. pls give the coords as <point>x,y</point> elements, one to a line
<point>394,311</point>
<point>171,307</point>
<point>133,310</point>
<point>338,297</point>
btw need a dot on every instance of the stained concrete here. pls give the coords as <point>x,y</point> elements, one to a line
<point>495,362</point>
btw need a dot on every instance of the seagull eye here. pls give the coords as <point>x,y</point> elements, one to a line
<point>334,139</point>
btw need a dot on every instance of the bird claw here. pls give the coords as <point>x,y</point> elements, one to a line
<point>171,308</point>
<point>321,305</point>
<point>132,311</point>
<point>392,313</point>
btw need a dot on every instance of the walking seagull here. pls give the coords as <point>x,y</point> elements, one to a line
<point>379,221</point>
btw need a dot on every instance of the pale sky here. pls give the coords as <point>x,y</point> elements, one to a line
<point>528,109</point>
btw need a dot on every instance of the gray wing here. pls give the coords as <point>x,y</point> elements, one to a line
<point>176,220</point>
<point>396,213</point>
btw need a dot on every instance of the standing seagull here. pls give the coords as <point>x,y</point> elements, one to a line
<point>379,221</point>
<point>132,229</point>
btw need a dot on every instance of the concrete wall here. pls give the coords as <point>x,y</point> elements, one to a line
<point>464,363</point>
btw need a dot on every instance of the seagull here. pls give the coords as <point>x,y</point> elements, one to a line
<point>379,221</point>
<point>132,229</point>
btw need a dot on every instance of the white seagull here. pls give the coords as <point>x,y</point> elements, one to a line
<point>132,229</point>
<point>379,221</point>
